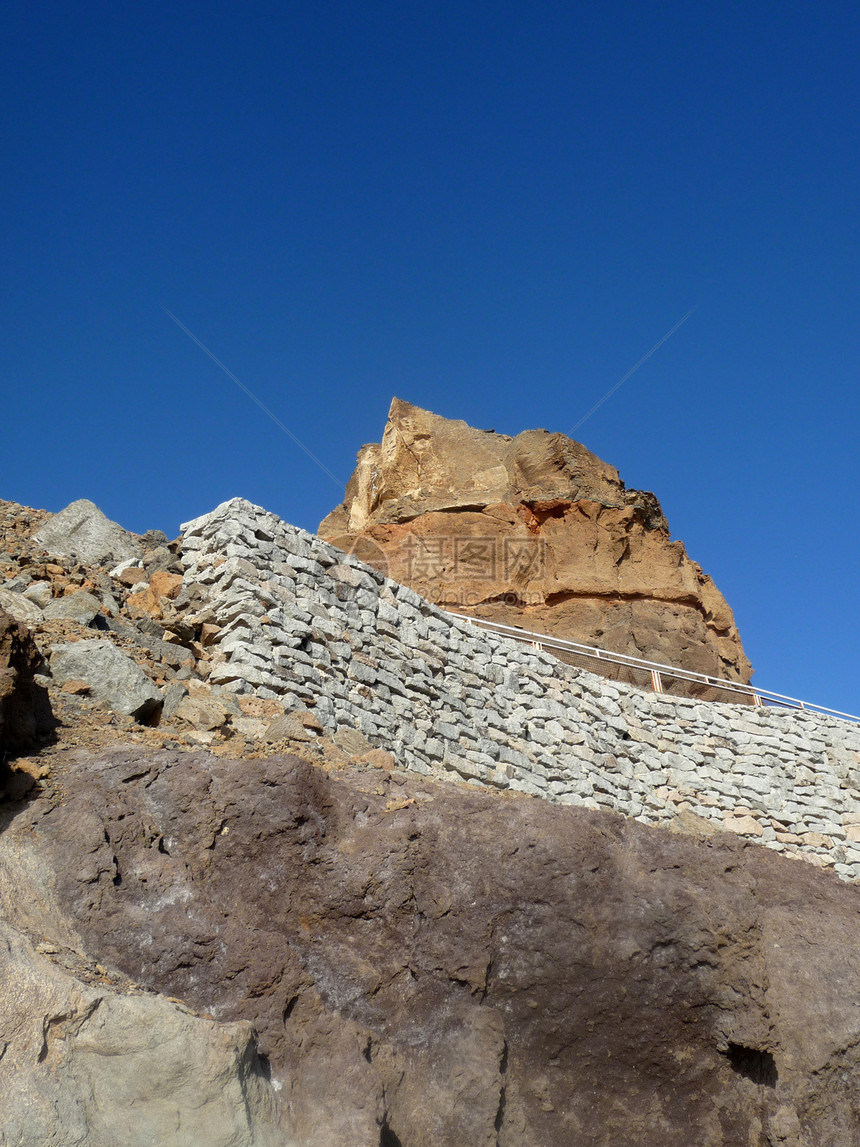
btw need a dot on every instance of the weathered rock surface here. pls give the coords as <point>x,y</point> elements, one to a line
<point>110,673</point>
<point>19,607</point>
<point>428,964</point>
<point>533,531</point>
<point>87,1065</point>
<point>25,713</point>
<point>424,963</point>
<point>83,531</point>
<point>81,607</point>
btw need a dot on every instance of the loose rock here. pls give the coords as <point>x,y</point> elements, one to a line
<point>112,676</point>
<point>82,530</point>
<point>80,607</point>
<point>287,728</point>
<point>40,593</point>
<point>20,607</point>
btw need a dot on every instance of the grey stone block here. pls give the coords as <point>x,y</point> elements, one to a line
<point>359,671</point>
<point>80,607</point>
<point>111,675</point>
<point>20,607</point>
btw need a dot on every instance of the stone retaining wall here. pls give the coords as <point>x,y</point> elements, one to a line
<point>305,623</point>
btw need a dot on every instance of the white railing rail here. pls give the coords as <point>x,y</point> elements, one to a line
<point>655,669</point>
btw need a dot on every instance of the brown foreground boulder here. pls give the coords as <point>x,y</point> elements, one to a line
<point>434,966</point>
<point>534,531</point>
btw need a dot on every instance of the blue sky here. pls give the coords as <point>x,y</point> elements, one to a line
<point>491,210</point>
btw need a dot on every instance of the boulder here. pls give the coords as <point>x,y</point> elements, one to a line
<point>253,728</point>
<point>438,966</point>
<point>81,607</point>
<point>309,720</point>
<point>82,531</point>
<point>351,741</point>
<point>378,759</point>
<point>40,593</point>
<point>112,676</point>
<point>533,531</point>
<point>174,694</point>
<point>288,728</point>
<point>164,584</point>
<point>20,607</point>
<point>159,560</point>
<point>130,576</point>
<point>143,600</point>
<point>201,712</point>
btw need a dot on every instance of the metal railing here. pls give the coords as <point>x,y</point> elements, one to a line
<point>649,674</point>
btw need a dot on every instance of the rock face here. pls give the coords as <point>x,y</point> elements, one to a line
<point>87,1065</point>
<point>82,530</point>
<point>247,949</point>
<point>533,531</point>
<point>431,965</point>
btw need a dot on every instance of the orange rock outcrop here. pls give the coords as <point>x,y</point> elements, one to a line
<point>534,531</point>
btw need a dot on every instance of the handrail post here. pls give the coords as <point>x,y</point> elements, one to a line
<point>656,682</point>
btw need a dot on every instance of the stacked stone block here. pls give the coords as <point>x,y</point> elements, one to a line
<point>305,623</point>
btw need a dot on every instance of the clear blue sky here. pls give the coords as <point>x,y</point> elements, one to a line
<point>489,209</point>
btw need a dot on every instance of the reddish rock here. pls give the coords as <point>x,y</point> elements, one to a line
<point>208,633</point>
<point>308,720</point>
<point>164,584</point>
<point>532,531</point>
<point>143,601</point>
<point>131,576</point>
<point>78,688</point>
<point>437,966</point>
<point>378,759</point>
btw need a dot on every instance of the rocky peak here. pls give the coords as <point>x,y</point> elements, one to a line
<point>426,463</point>
<point>535,531</point>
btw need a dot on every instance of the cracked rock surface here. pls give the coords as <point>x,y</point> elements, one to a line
<point>429,964</point>
<point>533,531</point>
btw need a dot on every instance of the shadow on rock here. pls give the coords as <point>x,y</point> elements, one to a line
<point>26,719</point>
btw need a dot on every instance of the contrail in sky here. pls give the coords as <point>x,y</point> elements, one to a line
<point>633,369</point>
<point>253,396</point>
